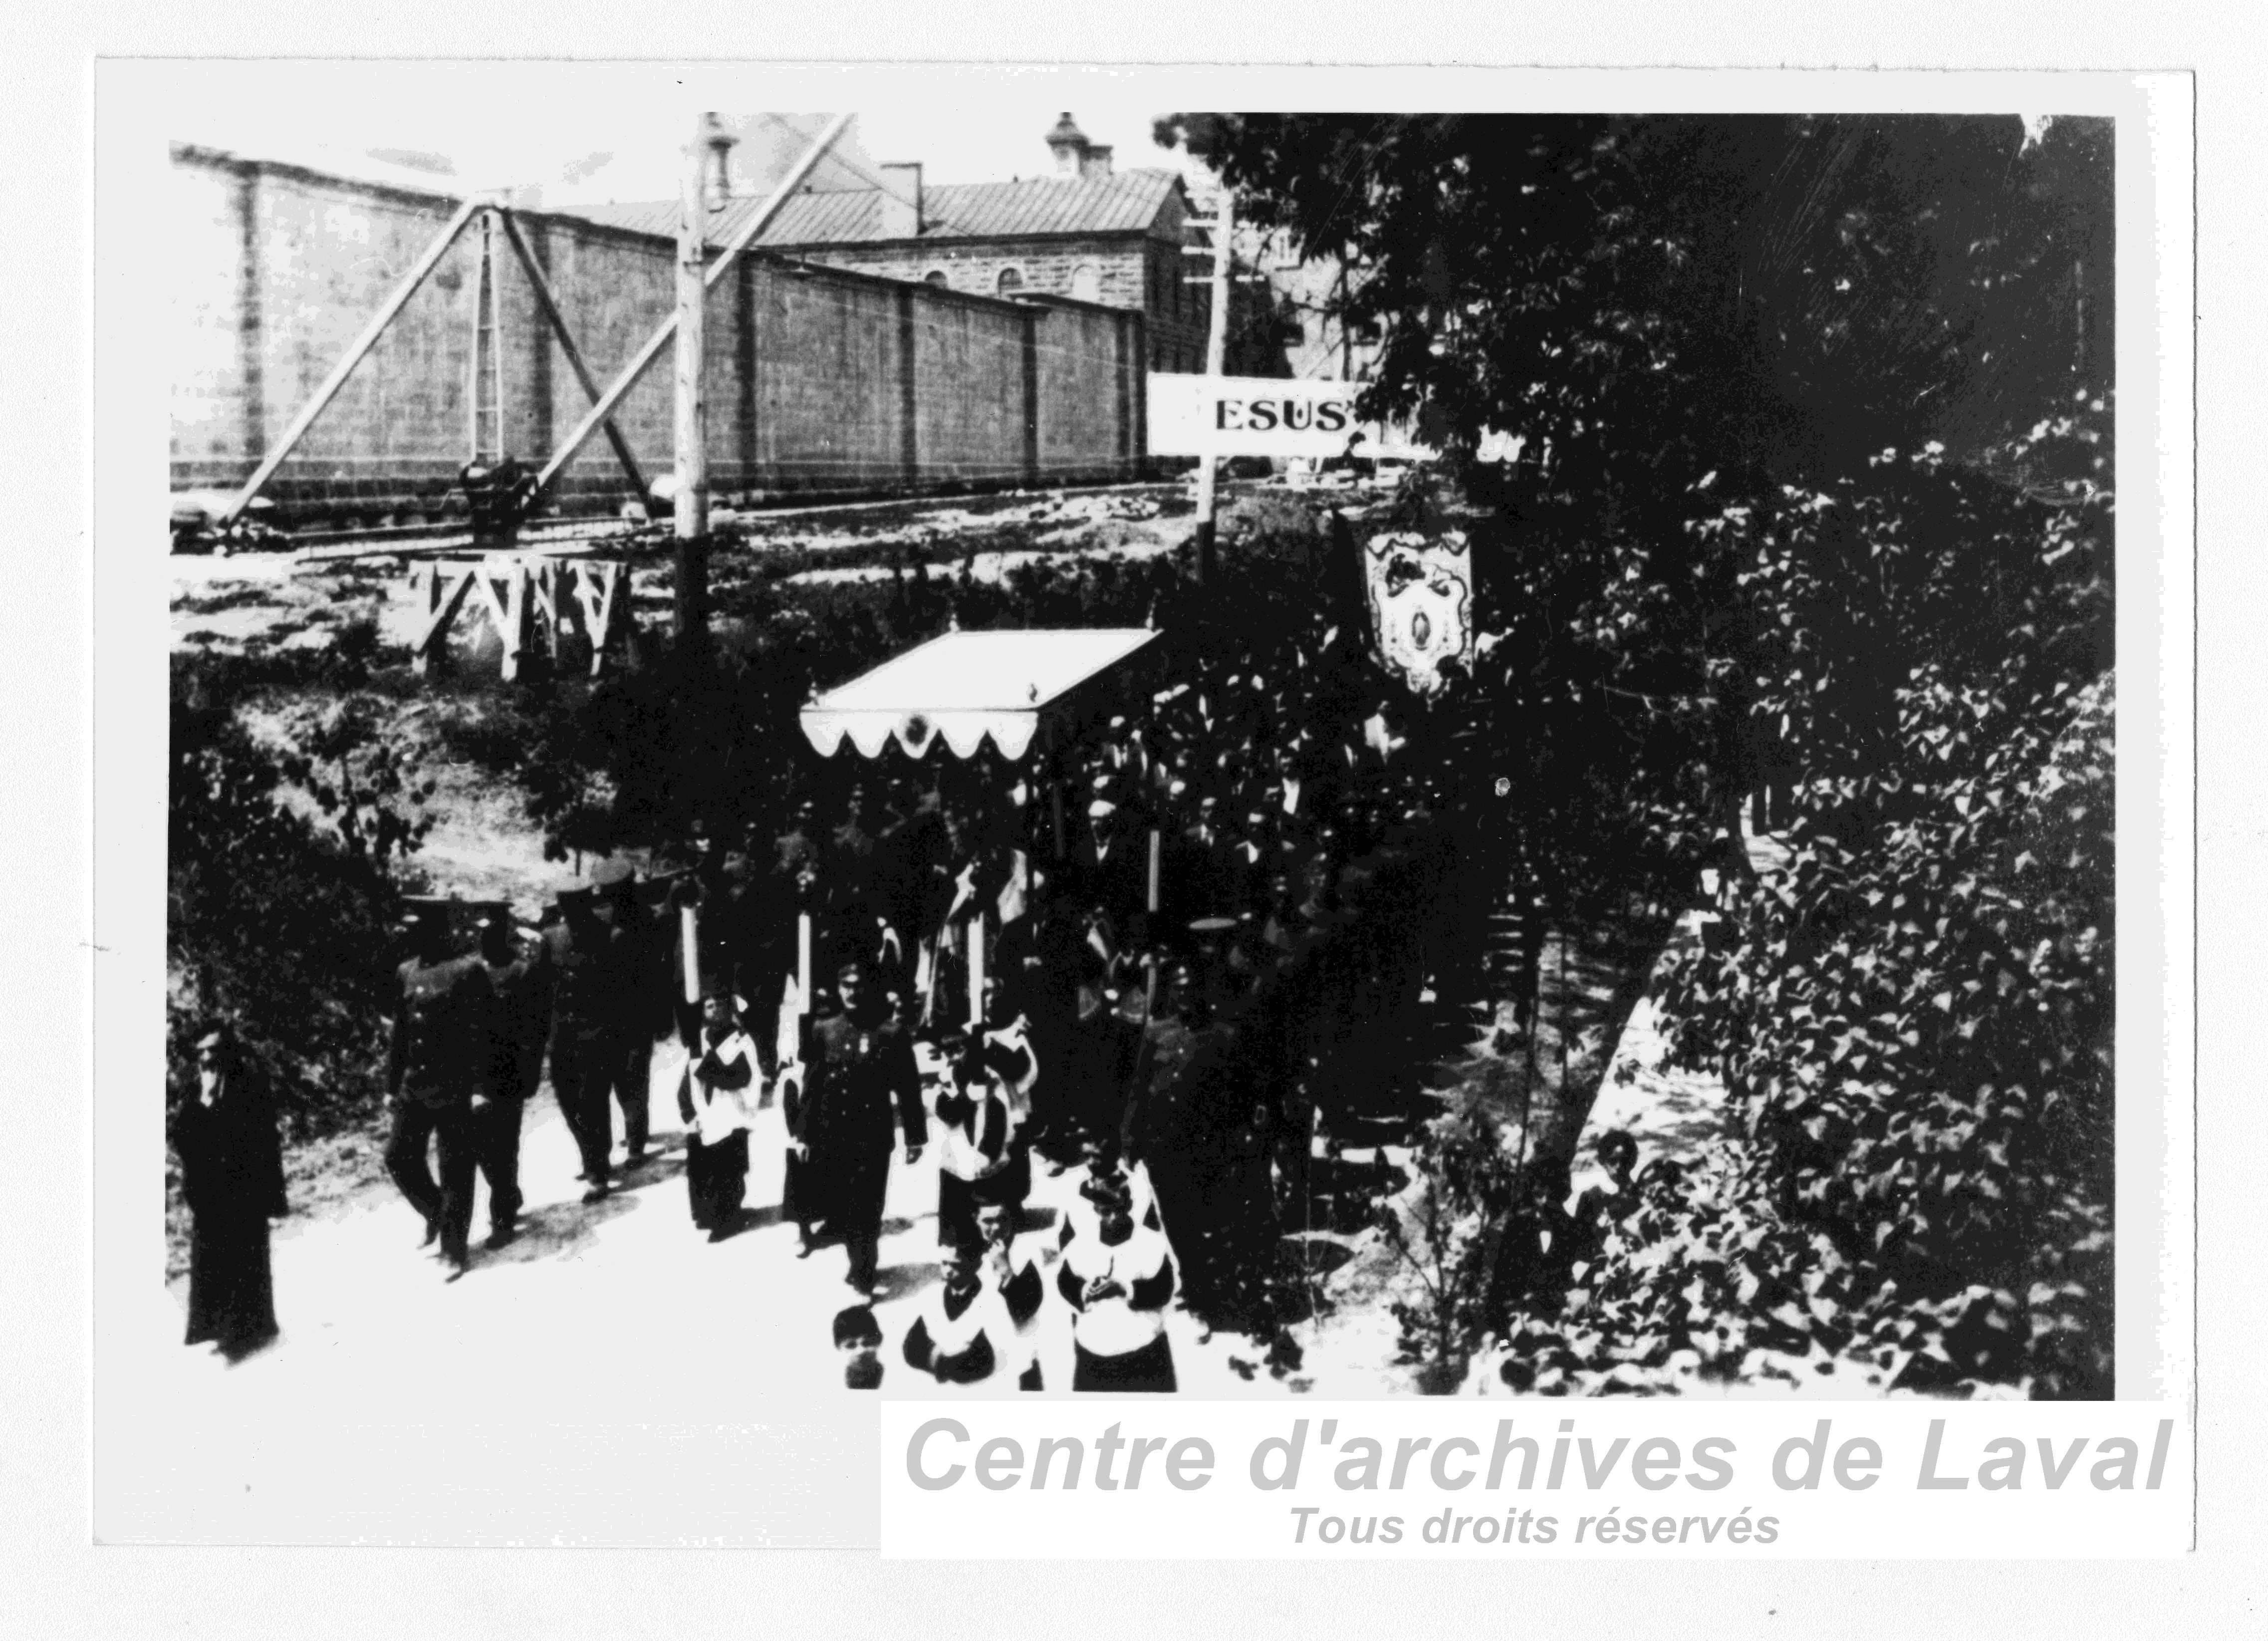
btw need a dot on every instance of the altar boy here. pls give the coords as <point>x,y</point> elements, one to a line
<point>712,1098</point>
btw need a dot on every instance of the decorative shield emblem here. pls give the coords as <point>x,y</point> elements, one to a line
<point>1420,594</point>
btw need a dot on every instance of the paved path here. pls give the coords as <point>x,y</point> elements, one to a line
<point>612,1349</point>
<point>1671,1112</point>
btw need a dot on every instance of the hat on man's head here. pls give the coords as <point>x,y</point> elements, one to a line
<point>719,985</point>
<point>1100,807</point>
<point>613,874</point>
<point>423,912</point>
<point>852,966</point>
<point>855,1325</point>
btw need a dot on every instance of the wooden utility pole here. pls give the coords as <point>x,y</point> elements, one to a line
<point>484,393</point>
<point>1223,230</point>
<point>692,423</point>
<point>643,360</point>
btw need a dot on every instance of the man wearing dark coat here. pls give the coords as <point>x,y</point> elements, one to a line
<point>437,1074</point>
<point>522,975</point>
<point>232,1180</point>
<point>1204,1136</point>
<point>592,976</point>
<point>645,943</point>
<point>1110,870</point>
<point>860,1083</point>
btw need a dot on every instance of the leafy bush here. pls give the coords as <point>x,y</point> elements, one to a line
<point>1446,1231</point>
<point>286,852</point>
<point>1913,1014</point>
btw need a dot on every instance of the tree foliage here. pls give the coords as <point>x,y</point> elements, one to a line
<point>1739,552</point>
<point>286,849</point>
<point>1652,298</point>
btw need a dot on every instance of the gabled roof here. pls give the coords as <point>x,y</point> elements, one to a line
<point>1126,201</point>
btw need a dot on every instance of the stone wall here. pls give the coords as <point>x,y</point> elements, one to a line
<point>819,379</point>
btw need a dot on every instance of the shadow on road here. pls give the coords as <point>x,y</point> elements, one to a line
<point>896,1281</point>
<point>554,1231</point>
<point>751,1220</point>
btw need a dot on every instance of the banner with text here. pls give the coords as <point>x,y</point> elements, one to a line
<point>1259,416</point>
<point>1512,1479</point>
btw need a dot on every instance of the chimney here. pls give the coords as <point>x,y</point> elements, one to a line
<point>719,169</point>
<point>1068,144</point>
<point>1096,161</point>
<point>902,202</point>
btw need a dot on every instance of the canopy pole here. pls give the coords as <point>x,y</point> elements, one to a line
<point>976,971</point>
<point>689,930</point>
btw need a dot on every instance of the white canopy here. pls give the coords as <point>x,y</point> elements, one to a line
<point>966,686</point>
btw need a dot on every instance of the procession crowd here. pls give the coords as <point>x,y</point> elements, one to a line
<point>1131,958</point>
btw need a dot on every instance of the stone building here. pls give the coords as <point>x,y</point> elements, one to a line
<point>1084,233</point>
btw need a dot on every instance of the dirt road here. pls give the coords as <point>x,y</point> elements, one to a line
<point>612,1353</point>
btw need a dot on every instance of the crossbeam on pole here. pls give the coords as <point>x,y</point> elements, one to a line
<point>356,350</point>
<point>643,359</point>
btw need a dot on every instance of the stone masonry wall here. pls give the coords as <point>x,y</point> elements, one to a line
<point>817,381</point>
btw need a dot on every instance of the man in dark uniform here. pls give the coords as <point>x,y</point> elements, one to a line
<point>437,1077</point>
<point>644,969</point>
<point>520,973</point>
<point>589,1025</point>
<point>860,1082</point>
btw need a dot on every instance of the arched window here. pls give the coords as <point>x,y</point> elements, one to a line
<point>936,276</point>
<point>1011,280</point>
<point>1087,282</point>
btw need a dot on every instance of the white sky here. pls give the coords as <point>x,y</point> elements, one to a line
<point>588,134</point>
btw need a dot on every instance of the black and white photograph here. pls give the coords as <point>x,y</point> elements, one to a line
<point>1057,740</point>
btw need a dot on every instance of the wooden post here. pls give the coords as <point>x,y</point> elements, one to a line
<point>1156,847</point>
<point>692,499</point>
<point>484,393</point>
<point>356,349</point>
<point>645,355</point>
<point>1223,230</point>
<point>509,613</point>
<point>437,594</point>
<point>803,961</point>
<point>600,592</point>
<point>517,608</point>
<point>543,597</point>
<point>423,585</point>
